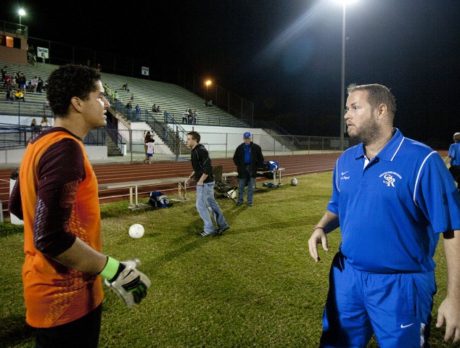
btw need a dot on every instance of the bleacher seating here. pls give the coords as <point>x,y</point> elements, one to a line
<point>169,97</point>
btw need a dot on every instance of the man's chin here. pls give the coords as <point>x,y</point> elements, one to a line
<point>351,134</point>
<point>101,124</point>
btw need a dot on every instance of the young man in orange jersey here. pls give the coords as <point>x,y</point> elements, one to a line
<point>57,197</point>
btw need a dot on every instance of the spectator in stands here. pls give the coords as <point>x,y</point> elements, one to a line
<point>194,116</point>
<point>124,87</point>
<point>34,83</point>
<point>208,102</point>
<point>129,105</point>
<point>7,81</point>
<point>21,81</point>
<point>247,158</point>
<point>148,148</point>
<point>115,95</point>
<point>189,116</point>
<point>154,108</point>
<point>9,96</point>
<point>158,108</point>
<point>202,173</point>
<point>138,112</point>
<point>185,117</point>
<point>19,95</point>
<point>29,87</point>
<point>34,127</point>
<point>132,97</point>
<point>44,123</point>
<point>39,85</point>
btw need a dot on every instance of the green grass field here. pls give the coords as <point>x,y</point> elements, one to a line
<point>254,286</point>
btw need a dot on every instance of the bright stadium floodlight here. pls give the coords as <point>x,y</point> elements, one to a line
<point>208,83</point>
<point>21,13</point>
<point>346,2</point>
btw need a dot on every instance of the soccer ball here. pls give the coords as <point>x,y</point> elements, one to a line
<point>136,231</point>
<point>294,181</point>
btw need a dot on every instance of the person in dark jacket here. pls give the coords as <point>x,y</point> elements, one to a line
<point>202,173</point>
<point>247,158</point>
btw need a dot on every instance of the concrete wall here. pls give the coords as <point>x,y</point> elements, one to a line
<point>13,55</point>
<point>14,156</point>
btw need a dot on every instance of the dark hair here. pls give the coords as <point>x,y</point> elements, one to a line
<point>70,81</point>
<point>195,135</point>
<point>377,94</point>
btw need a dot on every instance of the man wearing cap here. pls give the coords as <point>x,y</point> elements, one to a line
<point>247,158</point>
<point>454,155</point>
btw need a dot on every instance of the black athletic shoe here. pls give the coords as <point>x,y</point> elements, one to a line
<point>205,234</point>
<point>221,230</point>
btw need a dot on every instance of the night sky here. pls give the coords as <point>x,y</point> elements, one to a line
<point>282,55</point>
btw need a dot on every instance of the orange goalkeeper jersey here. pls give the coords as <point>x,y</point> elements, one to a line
<point>54,294</point>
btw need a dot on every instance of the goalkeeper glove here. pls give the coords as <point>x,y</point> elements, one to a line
<point>125,280</point>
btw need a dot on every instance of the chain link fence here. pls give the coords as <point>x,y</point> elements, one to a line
<point>128,145</point>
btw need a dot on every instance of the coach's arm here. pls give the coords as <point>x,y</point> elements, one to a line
<point>449,310</point>
<point>328,223</point>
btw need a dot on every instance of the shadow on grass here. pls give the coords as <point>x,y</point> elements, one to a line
<point>14,330</point>
<point>195,241</point>
<point>281,225</point>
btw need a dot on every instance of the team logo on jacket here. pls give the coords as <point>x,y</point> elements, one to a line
<point>345,175</point>
<point>390,178</point>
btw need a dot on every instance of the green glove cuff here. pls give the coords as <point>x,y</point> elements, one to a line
<point>111,268</point>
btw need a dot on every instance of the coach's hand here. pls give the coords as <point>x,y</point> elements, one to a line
<point>449,314</point>
<point>318,236</point>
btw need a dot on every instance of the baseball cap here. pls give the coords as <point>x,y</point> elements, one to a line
<point>247,135</point>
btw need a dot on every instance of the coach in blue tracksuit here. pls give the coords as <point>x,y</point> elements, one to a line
<point>392,197</point>
<point>454,155</point>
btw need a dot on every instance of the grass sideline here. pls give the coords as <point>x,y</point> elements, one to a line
<point>254,286</point>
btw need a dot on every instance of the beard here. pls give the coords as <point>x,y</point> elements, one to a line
<point>367,133</point>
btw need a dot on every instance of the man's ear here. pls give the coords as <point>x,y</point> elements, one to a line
<point>382,110</point>
<point>76,103</point>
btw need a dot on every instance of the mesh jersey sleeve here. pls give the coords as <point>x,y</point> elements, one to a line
<point>60,170</point>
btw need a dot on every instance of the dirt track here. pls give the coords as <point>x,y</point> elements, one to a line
<point>118,172</point>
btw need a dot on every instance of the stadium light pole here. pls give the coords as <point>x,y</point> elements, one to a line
<point>344,4</point>
<point>21,13</point>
